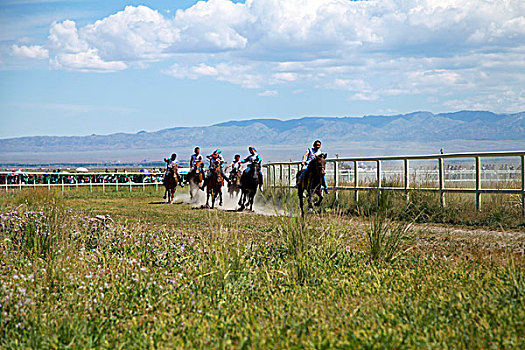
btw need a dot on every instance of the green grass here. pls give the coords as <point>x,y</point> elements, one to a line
<point>169,276</point>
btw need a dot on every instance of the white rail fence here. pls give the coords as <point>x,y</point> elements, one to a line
<point>65,180</point>
<point>353,176</point>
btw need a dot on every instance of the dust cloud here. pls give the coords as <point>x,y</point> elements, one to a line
<point>229,203</point>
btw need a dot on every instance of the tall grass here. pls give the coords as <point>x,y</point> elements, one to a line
<point>384,239</point>
<point>213,279</point>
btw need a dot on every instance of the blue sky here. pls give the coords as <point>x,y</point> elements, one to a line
<point>83,67</point>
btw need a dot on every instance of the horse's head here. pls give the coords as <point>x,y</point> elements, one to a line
<point>320,163</point>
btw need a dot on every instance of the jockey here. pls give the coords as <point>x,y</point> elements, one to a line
<point>235,165</point>
<point>171,164</point>
<point>310,154</point>
<point>216,160</point>
<point>253,159</point>
<point>196,159</point>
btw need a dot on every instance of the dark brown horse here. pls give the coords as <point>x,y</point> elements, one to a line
<point>195,177</point>
<point>312,182</point>
<point>233,185</point>
<point>250,182</point>
<point>170,184</point>
<point>214,186</point>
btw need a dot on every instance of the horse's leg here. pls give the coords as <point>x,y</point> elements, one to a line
<point>319,194</point>
<point>240,198</point>
<point>252,197</point>
<point>220,197</point>
<point>310,198</point>
<point>207,199</point>
<point>241,201</point>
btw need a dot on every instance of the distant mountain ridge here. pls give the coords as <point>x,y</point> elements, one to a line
<point>412,127</point>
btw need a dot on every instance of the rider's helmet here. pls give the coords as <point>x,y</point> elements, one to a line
<point>252,148</point>
<point>317,142</point>
<point>173,156</point>
<point>218,151</point>
<point>237,156</point>
<point>196,149</point>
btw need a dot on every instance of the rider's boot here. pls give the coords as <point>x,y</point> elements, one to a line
<point>261,188</point>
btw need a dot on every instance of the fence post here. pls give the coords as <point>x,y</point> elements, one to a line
<point>19,182</point>
<point>280,175</point>
<point>90,183</point>
<point>356,181</point>
<point>129,180</point>
<point>478,183</point>
<point>62,177</point>
<point>290,180</point>
<point>274,176</point>
<point>336,178</point>
<point>76,181</point>
<point>116,182</point>
<point>143,185</point>
<point>103,184</point>
<point>407,179</point>
<point>378,165</point>
<point>49,182</point>
<point>6,185</point>
<point>441,179</point>
<point>522,185</point>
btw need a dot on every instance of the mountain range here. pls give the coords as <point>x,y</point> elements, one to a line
<point>417,127</point>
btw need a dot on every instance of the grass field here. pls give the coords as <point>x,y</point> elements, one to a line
<point>123,270</point>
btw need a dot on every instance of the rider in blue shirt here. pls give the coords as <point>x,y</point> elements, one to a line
<point>253,159</point>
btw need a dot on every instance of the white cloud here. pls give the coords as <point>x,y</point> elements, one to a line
<point>363,97</point>
<point>86,61</point>
<point>371,48</point>
<point>136,33</point>
<point>268,93</point>
<point>34,51</point>
<point>63,38</point>
<point>211,26</point>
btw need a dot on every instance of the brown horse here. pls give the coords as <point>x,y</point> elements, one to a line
<point>233,185</point>
<point>170,184</point>
<point>214,186</point>
<point>312,182</point>
<point>195,177</point>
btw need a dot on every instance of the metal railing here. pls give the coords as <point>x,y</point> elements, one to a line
<point>279,174</point>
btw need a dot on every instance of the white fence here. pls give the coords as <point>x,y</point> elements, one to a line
<point>422,178</point>
<point>63,180</point>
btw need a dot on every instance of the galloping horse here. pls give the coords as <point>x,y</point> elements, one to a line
<point>214,186</point>
<point>233,185</point>
<point>170,183</point>
<point>195,177</point>
<point>312,183</point>
<point>250,182</point>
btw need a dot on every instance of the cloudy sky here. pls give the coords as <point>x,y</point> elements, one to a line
<point>82,67</point>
